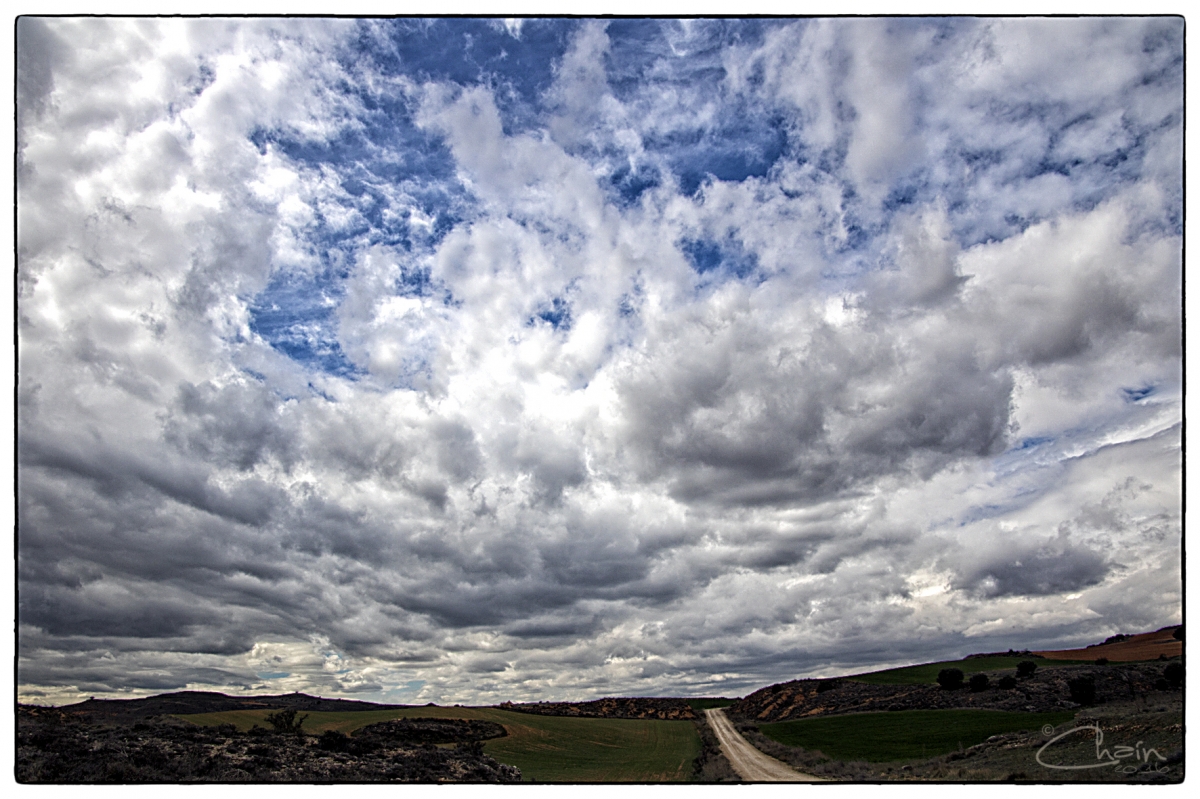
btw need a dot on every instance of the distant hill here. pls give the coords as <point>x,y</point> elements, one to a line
<point>186,702</point>
<point>667,709</point>
<point>1131,667</point>
<point>1046,690</point>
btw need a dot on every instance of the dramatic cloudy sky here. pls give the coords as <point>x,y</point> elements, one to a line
<point>468,360</point>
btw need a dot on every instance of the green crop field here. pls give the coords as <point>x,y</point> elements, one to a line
<point>928,672</point>
<point>904,734</point>
<point>545,748</point>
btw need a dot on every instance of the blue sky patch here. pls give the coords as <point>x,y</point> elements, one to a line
<point>1137,394</point>
<point>557,313</point>
<point>297,316</point>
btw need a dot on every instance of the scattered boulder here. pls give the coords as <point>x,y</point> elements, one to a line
<point>65,748</point>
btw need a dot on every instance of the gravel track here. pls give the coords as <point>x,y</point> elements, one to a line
<point>750,764</point>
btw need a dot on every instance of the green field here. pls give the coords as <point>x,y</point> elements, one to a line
<point>545,748</point>
<point>904,734</point>
<point>928,672</point>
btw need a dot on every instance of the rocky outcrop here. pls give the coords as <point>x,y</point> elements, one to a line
<point>64,748</point>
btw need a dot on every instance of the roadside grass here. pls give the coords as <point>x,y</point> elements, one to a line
<point>927,672</point>
<point>545,748</point>
<point>904,734</point>
<point>709,702</point>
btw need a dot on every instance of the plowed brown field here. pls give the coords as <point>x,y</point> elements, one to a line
<point>1147,646</point>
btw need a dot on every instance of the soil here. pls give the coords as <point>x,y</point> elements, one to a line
<point>1145,646</point>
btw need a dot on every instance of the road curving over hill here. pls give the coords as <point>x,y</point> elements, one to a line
<point>749,763</point>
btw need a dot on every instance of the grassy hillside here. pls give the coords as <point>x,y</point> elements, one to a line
<point>906,734</point>
<point>545,748</point>
<point>927,672</point>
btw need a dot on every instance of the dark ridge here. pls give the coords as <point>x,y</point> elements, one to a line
<point>188,702</point>
<point>611,708</point>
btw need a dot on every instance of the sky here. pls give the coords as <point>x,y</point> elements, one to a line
<point>471,360</point>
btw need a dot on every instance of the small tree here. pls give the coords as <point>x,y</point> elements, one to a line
<point>1083,690</point>
<point>1026,668</point>
<point>1008,682</point>
<point>1178,634</point>
<point>286,721</point>
<point>950,679</point>
<point>979,682</point>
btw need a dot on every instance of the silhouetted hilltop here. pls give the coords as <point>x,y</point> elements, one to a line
<point>185,702</point>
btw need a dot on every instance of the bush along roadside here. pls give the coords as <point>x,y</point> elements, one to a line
<point>711,765</point>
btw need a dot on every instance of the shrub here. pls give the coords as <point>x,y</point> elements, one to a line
<point>285,720</point>
<point>1173,674</point>
<point>1083,690</point>
<point>333,741</point>
<point>1008,682</point>
<point>950,679</point>
<point>1101,661</point>
<point>828,685</point>
<point>979,682</point>
<point>1178,634</point>
<point>1026,668</point>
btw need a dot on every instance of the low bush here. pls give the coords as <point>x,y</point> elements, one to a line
<point>285,721</point>
<point>979,682</point>
<point>1007,682</point>
<point>1026,668</point>
<point>950,679</point>
<point>333,741</point>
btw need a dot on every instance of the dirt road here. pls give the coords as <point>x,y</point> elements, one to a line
<point>750,764</point>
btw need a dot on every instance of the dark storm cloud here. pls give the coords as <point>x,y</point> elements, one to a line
<point>237,424</point>
<point>37,50</point>
<point>1039,572</point>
